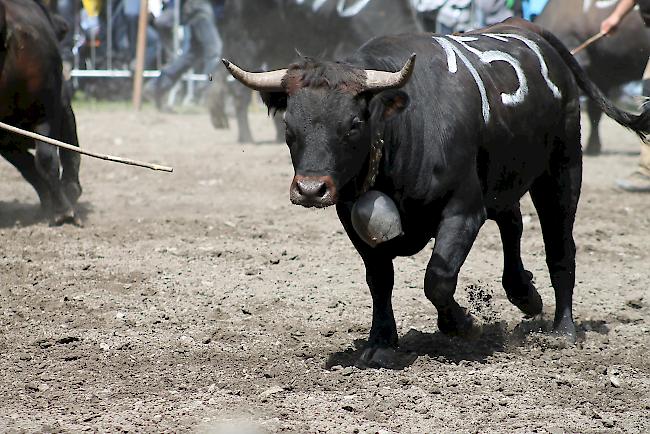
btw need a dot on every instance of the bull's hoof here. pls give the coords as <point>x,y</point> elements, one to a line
<point>245,138</point>
<point>524,295</point>
<point>566,330</point>
<point>72,191</point>
<point>458,323</point>
<point>385,357</point>
<point>218,119</point>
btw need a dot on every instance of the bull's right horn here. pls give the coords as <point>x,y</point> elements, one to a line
<point>261,81</point>
<point>381,80</point>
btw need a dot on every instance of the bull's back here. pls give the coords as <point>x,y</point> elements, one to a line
<point>497,96</point>
<point>31,67</point>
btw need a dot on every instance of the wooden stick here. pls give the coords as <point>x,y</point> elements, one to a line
<point>141,47</point>
<point>587,43</point>
<point>83,151</point>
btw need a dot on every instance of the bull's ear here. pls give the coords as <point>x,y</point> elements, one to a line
<point>275,101</point>
<point>390,103</point>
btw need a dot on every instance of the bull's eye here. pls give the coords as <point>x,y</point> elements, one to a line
<point>355,129</point>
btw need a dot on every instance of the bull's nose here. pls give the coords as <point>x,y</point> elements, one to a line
<point>313,191</point>
<point>311,188</point>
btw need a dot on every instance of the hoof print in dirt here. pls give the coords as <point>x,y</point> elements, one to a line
<point>385,357</point>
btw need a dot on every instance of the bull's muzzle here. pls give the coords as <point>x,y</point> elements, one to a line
<point>309,191</point>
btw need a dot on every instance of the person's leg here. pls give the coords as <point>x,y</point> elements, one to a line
<point>169,75</point>
<point>639,181</point>
<point>209,41</point>
<point>66,9</point>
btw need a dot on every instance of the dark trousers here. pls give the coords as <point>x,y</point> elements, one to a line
<point>202,50</point>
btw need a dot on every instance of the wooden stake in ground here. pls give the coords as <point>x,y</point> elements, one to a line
<point>587,43</point>
<point>83,151</point>
<point>139,54</point>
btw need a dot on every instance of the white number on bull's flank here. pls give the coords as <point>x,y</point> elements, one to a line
<point>452,43</point>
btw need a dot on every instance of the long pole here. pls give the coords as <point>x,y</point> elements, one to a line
<point>587,43</point>
<point>83,151</point>
<point>139,54</point>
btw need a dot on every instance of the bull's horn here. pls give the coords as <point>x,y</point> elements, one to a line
<point>262,81</point>
<point>380,80</point>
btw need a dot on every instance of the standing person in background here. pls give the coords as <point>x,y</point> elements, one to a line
<point>202,49</point>
<point>490,12</point>
<point>427,11</point>
<point>131,15</point>
<point>638,181</point>
<point>455,16</point>
<point>67,9</point>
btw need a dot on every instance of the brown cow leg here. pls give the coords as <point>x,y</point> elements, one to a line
<point>594,146</point>
<point>24,162</point>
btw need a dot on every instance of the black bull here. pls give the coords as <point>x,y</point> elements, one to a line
<point>493,114</point>
<point>32,98</point>
<point>612,61</point>
<point>274,28</point>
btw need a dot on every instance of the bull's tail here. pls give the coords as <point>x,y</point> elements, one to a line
<point>640,124</point>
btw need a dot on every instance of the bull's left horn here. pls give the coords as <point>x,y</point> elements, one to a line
<point>381,80</point>
<point>262,81</point>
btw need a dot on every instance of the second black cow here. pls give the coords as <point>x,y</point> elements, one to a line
<point>452,139</point>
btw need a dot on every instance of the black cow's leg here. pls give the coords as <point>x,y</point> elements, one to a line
<point>24,162</point>
<point>216,100</point>
<point>279,129</point>
<point>48,164</point>
<point>517,281</point>
<point>555,195</point>
<point>380,279</point>
<point>242,99</point>
<point>594,113</point>
<point>454,239</point>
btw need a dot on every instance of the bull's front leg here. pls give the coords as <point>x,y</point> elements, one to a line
<point>380,279</point>
<point>455,236</point>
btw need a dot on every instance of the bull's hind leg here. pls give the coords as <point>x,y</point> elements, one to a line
<point>594,113</point>
<point>517,281</point>
<point>555,195</point>
<point>24,162</point>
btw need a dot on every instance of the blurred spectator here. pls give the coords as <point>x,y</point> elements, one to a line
<point>530,9</point>
<point>201,49</point>
<point>490,12</point>
<point>455,16</point>
<point>639,180</point>
<point>427,12</point>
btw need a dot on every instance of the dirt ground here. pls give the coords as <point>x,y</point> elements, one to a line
<point>204,301</point>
